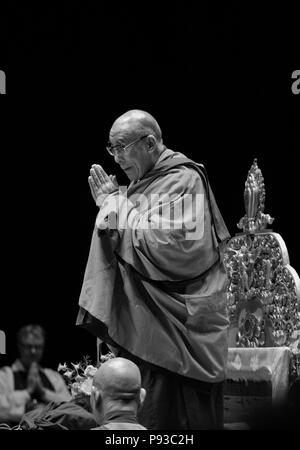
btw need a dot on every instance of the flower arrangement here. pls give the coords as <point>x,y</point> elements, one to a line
<point>79,377</point>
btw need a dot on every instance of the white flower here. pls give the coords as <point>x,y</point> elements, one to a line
<point>68,374</point>
<point>79,378</point>
<point>62,367</point>
<point>86,386</point>
<point>90,371</point>
<point>75,389</point>
<point>76,366</point>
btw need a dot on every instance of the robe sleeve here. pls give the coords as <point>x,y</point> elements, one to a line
<point>12,403</point>
<point>163,229</point>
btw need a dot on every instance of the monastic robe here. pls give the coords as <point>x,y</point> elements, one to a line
<point>155,282</point>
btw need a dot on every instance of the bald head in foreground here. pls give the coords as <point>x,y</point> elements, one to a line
<point>117,395</point>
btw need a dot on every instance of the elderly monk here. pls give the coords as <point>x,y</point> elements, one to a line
<point>117,395</point>
<point>154,288</point>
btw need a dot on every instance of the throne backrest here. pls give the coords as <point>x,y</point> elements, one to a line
<point>263,289</point>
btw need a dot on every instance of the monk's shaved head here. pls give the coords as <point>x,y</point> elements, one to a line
<point>139,133</point>
<point>118,378</point>
<point>137,122</point>
<point>116,389</point>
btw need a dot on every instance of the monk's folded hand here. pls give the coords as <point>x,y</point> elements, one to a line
<point>101,184</point>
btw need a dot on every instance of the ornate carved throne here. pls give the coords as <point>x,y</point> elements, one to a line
<point>263,300</point>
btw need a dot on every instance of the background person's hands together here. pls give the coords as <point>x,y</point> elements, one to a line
<point>34,382</point>
<point>100,183</point>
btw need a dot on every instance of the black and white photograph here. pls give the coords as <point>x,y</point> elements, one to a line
<point>150,210</point>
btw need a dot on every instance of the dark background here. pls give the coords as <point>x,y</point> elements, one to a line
<point>218,80</point>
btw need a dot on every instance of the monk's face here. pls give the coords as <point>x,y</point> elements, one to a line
<point>135,160</point>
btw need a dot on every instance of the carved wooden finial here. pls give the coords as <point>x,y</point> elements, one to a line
<point>263,289</point>
<point>254,200</point>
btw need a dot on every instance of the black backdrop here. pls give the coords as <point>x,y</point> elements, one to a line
<point>217,79</point>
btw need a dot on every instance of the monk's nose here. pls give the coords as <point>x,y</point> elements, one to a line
<point>118,158</point>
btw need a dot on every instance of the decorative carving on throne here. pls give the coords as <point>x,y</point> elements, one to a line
<point>263,289</point>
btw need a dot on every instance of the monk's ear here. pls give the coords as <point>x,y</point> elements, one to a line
<point>151,143</point>
<point>143,394</point>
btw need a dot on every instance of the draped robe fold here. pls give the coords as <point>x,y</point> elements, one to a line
<point>150,290</point>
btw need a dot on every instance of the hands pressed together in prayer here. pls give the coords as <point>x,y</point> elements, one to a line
<point>101,184</point>
<point>34,382</point>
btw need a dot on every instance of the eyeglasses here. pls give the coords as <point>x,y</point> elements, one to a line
<point>118,149</point>
<point>35,346</point>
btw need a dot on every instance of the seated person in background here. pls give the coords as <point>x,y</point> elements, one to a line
<point>26,385</point>
<point>117,395</point>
